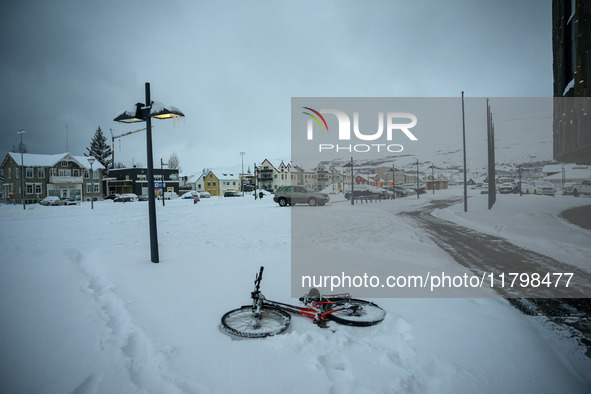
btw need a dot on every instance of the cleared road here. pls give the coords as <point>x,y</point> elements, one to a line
<point>485,253</point>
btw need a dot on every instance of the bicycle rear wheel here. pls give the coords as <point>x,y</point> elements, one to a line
<point>358,313</point>
<point>243,322</point>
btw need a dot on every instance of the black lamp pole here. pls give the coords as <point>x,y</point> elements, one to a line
<point>162,168</point>
<point>151,195</point>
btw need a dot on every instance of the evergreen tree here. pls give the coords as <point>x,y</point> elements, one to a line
<point>99,148</point>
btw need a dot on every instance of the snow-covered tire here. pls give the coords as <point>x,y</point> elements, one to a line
<point>364,313</point>
<point>282,202</point>
<point>312,202</point>
<point>242,322</point>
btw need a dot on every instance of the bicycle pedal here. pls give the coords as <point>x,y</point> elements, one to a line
<point>321,323</point>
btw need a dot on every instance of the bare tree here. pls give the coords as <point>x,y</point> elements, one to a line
<point>174,162</point>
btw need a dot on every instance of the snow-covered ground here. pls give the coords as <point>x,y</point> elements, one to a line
<point>84,310</point>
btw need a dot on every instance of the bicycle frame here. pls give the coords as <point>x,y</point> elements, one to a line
<point>317,310</point>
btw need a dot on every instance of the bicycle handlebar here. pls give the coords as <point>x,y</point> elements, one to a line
<point>257,281</point>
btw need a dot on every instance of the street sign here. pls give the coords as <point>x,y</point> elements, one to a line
<point>158,184</point>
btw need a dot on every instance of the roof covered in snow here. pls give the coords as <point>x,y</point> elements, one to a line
<point>38,160</point>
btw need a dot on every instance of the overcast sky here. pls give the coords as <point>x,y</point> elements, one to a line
<point>68,67</point>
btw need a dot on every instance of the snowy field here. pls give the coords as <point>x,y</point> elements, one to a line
<point>85,311</point>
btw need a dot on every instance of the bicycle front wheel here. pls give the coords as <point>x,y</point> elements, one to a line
<point>358,313</point>
<point>243,322</point>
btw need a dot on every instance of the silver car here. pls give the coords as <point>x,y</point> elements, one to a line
<point>540,187</point>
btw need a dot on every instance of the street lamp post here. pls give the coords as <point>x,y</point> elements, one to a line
<point>21,148</point>
<point>255,180</point>
<point>394,181</point>
<point>145,113</point>
<point>162,170</point>
<point>242,174</point>
<point>418,184</point>
<point>433,177</point>
<point>91,161</point>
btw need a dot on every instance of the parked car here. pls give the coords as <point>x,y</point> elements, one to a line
<point>583,188</point>
<point>127,197</point>
<point>190,195</point>
<point>506,188</point>
<point>204,195</point>
<point>51,201</point>
<point>142,198</point>
<point>232,194</point>
<point>168,196</point>
<point>111,196</point>
<point>567,188</point>
<point>69,201</point>
<point>291,195</point>
<point>540,187</point>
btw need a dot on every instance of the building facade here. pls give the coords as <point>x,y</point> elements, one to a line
<point>135,180</point>
<point>63,175</point>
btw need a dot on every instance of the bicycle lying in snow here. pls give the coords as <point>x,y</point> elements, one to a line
<point>265,317</point>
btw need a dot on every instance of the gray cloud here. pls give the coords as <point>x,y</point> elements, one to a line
<point>233,66</point>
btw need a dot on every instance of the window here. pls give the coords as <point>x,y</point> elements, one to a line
<point>29,188</point>
<point>89,188</point>
<point>64,172</point>
<point>86,174</point>
<point>213,184</point>
<point>96,187</point>
<point>29,172</point>
<point>38,188</point>
<point>53,172</point>
<point>174,177</point>
<point>76,172</point>
<point>9,173</point>
<point>64,163</point>
<point>141,177</point>
<point>40,172</point>
<point>16,172</point>
<point>95,174</point>
<point>157,177</point>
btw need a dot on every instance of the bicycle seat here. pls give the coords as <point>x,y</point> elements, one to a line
<point>314,294</point>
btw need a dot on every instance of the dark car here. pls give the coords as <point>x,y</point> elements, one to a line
<point>291,195</point>
<point>232,194</point>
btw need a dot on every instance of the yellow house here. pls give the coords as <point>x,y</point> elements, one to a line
<point>211,184</point>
